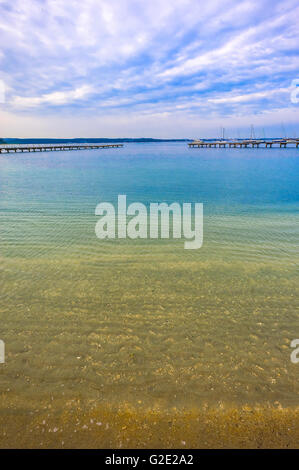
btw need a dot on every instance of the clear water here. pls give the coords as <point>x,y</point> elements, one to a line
<point>146,323</point>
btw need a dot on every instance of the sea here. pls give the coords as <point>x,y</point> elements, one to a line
<point>140,342</point>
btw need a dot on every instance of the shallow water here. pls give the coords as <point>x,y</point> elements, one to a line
<point>145,323</point>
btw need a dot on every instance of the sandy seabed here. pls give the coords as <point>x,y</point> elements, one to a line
<point>83,425</point>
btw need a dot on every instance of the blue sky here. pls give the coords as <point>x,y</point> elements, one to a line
<point>152,68</point>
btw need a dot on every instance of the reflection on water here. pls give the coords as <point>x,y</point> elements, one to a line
<point>146,325</point>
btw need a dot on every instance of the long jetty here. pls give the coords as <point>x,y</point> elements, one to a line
<point>254,143</point>
<point>7,148</point>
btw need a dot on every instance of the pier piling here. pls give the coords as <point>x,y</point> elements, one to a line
<point>246,143</point>
<point>7,148</point>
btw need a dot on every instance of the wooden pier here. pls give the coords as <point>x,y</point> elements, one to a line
<point>53,147</point>
<point>246,143</point>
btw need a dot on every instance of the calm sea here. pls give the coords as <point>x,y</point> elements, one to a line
<point>146,321</point>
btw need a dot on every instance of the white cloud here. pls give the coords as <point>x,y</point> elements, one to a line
<point>249,97</point>
<point>56,98</point>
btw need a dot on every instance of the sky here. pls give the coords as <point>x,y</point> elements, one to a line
<point>148,68</point>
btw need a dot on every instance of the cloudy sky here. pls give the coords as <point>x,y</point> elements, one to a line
<point>152,68</point>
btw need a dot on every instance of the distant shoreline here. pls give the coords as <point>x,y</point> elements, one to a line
<point>104,140</point>
<point>4,140</point>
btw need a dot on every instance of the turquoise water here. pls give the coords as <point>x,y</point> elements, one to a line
<point>146,321</point>
<point>250,197</point>
<point>226,180</point>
